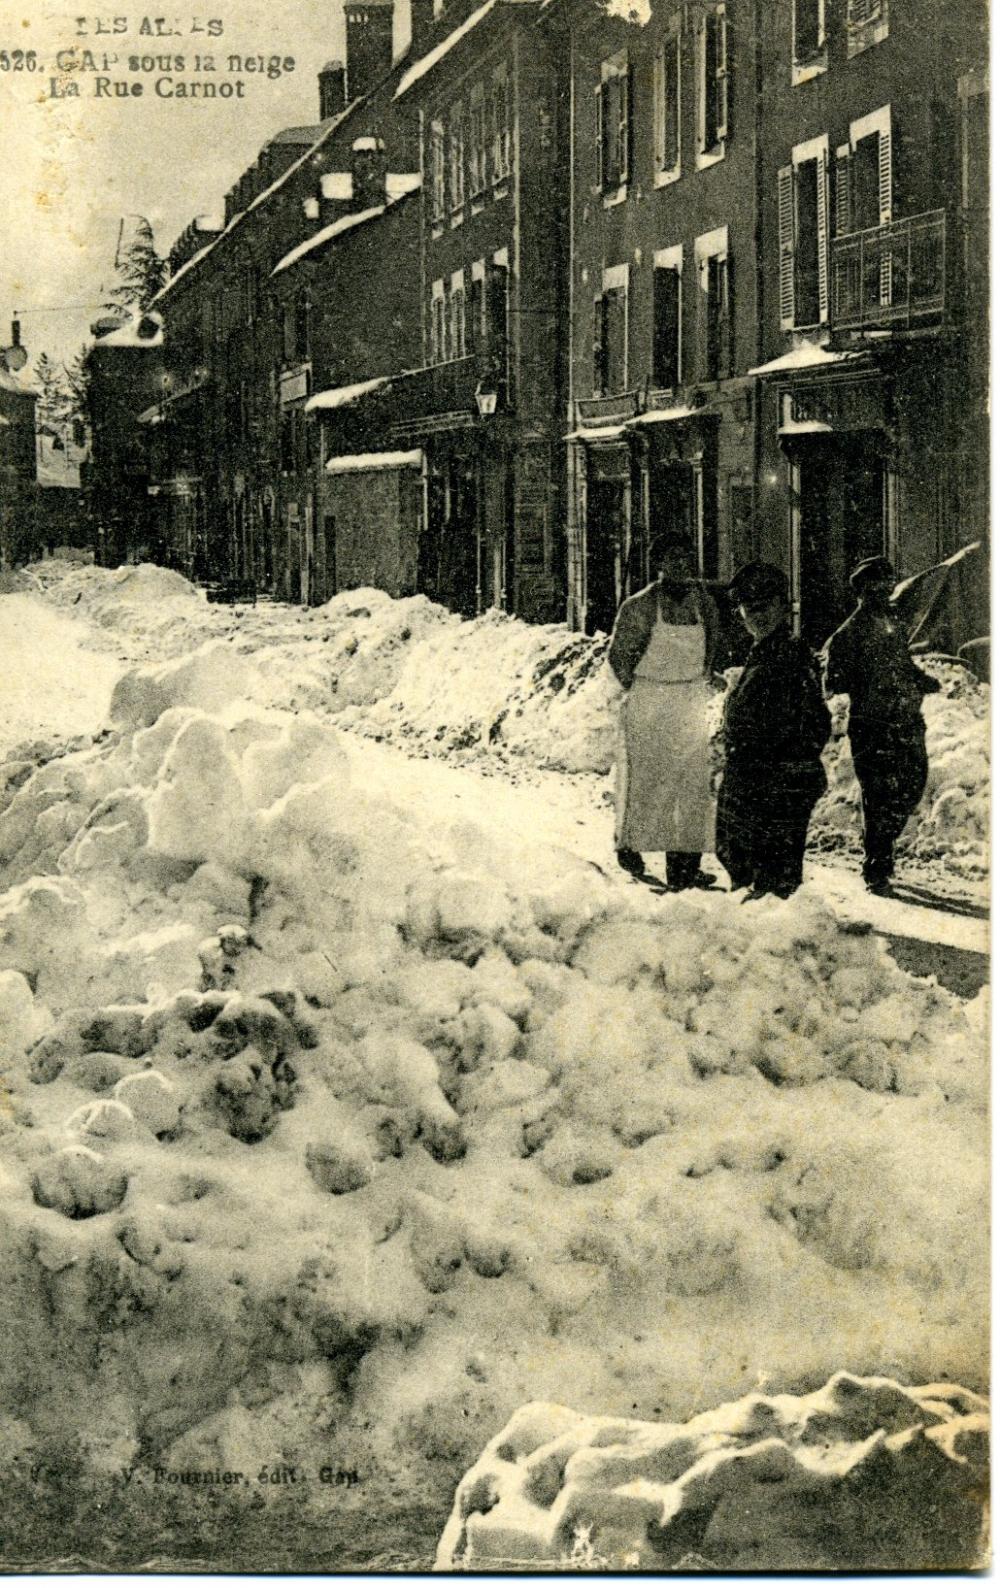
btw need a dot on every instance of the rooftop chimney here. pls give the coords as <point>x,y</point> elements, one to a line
<point>369,44</point>
<point>368,168</point>
<point>332,90</point>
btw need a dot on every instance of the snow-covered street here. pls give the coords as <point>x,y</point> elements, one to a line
<point>354,1099</point>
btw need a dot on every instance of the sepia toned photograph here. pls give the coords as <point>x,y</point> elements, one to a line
<point>494,787</point>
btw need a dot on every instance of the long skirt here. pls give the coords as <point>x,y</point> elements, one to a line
<point>664,799</point>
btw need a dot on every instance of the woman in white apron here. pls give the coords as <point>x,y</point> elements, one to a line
<point>661,653</point>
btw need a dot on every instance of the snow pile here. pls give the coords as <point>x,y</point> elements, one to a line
<point>410,1124</point>
<point>952,821</point>
<point>863,1474</point>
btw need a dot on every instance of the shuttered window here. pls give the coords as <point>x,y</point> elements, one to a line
<point>804,237</point>
<point>437,164</point>
<point>613,125</point>
<point>808,29</point>
<point>477,142</point>
<point>867,24</point>
<point>713,80</point>
<point>667,104</point>
<point>610,334</point>
<point>456,157</point>
<point>667,326</point>
<point>496,328</point>
<point>501,125</point>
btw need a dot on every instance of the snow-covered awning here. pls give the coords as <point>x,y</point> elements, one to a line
<point>597,433</point>
<point>805,427</point>
<point>808,355</point>
<point>665,416</point>
<point>344,396</point>
<point>427,62</point>
<point>372,462</point>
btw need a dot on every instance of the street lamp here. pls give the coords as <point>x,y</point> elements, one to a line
<point>486,397</point>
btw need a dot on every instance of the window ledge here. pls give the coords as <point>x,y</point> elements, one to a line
<point>665,178</point>
<point>501,187</point>
<point>437,228</point>
<point>709,157</point>
<point>617,197</point>
<point>457,217</point>
<point>807,71</point>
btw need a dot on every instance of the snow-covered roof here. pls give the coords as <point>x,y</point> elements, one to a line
<point>336,185</point>
<point>345,223</point>
<point>664,416</point>
<point>808,355</point>
<point>21,384</point>
<point>399,183</point>
<point>344,396</point>
<point>597,433</point>
<point>128,335</point>
<point>370,462</point>
<point>209,223</point>
<point>427,62</point>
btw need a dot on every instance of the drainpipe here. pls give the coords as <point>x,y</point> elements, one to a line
<point>758,180</point>
<point>572,495</point>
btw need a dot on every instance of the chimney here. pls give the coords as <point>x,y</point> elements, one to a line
<point>369,44</point>
<point>368,169</point>
<point>332,90</point>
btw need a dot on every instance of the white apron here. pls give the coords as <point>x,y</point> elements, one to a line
<point>664,798</point>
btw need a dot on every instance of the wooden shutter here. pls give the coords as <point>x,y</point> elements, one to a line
<point>599,135</point>
<point>721,75</point>
<point>477,302</point>
<point>842,185</point>
<point>885,211</point>
<point>823,235</point>
<point>666,327</point>
<point>786,247</point>
<point>600,346</point>
<point>725,312</point>
<point>624,125</point>
<point>703,81</point>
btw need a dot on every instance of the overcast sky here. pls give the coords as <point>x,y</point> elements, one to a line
<point>72,168</point>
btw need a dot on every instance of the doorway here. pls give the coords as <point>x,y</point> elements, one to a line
<point>839,517</point>
<point>605,535</point>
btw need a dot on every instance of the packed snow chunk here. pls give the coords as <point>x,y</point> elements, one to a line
<point>461,906</point>
<point>44,934</point>
<point>299,843</point>
<point>79,1182</point>
<point>116,827</point>
<point>223,890</point>
<point>340,1165</point>
<point>304,751</point>
<point>208,681</point>
<point>105,1120</point>
<point>22,1022</point>
<point>152,1099</point>
<point>196,809</point>
<point>782,1482</point>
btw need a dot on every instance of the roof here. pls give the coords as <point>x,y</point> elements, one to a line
<point>337,228</point>
<point>344,396</point>
<point>808,355</point>
<point>370,462</point>
<point>306,134</point>
<point>127,335</point>
<point>597,433</point>
<point>16,383</point>
<point>325,129</point>
<point>427,62</point>
<point>663,416</point>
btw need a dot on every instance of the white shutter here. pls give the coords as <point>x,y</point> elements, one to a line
<point>786,247</point>
<point>722,76</point>
<point>823,234</point>
<point>599,135</point>
<point>702,85</point>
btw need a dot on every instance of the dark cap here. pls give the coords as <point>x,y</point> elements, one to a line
<point>758,581</point>
<point>872,569</point>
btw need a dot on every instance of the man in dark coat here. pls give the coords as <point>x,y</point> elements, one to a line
<point>869,660</point>
<point>775,725</point>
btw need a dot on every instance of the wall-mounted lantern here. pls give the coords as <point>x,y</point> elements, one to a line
<point>486,397</point>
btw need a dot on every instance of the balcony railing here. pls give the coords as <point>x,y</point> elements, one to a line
<point>890,276</point>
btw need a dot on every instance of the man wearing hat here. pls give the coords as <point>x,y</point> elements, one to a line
<point>869,660</point>
<point>774,728</point>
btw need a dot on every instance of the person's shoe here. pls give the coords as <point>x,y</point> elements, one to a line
<point>630,862</point>
<point>703,879</point>
<point>755,893</point>
<point>880,886</point>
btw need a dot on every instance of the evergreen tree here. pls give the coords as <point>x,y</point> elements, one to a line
<point>54,400</point>
<point>141,271</point>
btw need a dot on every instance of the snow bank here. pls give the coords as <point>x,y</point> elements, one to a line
<point>411,1123</point>
<point>863,1474</point>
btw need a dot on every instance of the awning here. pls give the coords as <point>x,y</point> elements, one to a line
<point>344,396</point>
<point>370,462</point>
<point>597,433</point>
<point>808,355</point>
<point>805,427</point>
<point>665,416</point>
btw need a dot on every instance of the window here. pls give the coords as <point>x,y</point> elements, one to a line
<point>803,233</point>
<point>667,106</point>
<point>297,330</point>
<point>437,170</point>
<point>500,125</point>
<point>612,125</point>
<point>713,85</point>
<point>715,298</point>
<point>611,333</point>
<point>808,39</point>
<point>456,157</point>
<point>668,265</point>
<point>867,24</point>
<point>456,316</point>
<point>437,348</point>
<point>863,202</point>
<point>477,142</point>
<point>251,293</point>
<point>496,319</point>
